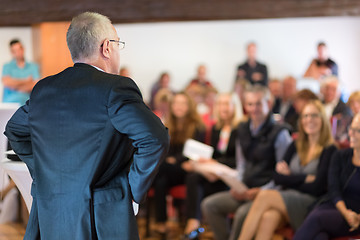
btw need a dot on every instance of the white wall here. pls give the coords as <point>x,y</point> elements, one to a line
<point>285,45</point>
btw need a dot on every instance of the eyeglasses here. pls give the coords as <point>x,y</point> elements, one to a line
<point>120,43</point>
<point>310,115</point>
<point>354,130</point>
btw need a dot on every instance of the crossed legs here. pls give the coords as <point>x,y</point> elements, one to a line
<point>267,213</point>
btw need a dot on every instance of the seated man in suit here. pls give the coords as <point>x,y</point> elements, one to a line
<point>336,110</point>
<point>283,105</point>
<point>91,144</point>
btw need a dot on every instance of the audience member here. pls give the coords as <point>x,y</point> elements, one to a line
<point>287,110</point>
<point>339,213</point>
<point>18,76</point>
<point>201,78</point>
<point>333,104</point>
<point>354,102</point>
<point>341,125</point>
<point>302,175</point>
<point>206,111</point>
<point>183,123</point>
<point>336,110</point>
<point>162,83</point>
<point>239,88</point>
<point>252,70</point>
<point>197,88</point>
<point>276,89</point>
<point>162,103</point>
<point>301,98</point>
<point>199,184</point>
<point>322,65</point>
<point>260,144</point>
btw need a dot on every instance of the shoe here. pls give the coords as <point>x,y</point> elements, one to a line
<point>194,234</point>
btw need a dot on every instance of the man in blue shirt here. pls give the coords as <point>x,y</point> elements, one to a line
<point>18,76</point>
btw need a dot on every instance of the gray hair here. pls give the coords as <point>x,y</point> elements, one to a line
<point>257,88</point>
<point>85,34</point>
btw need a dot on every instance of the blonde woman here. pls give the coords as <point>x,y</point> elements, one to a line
<point>354,102</point>
<point>302,175</point>
<point>227,114</point>
<point>338,215</point>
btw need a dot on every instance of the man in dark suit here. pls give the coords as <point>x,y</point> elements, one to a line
<point>252,70</point>
<point>90,143</point>
<point>337,111</point>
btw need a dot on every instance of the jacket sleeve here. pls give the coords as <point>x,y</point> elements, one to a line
<point>18,133</point>
<point>319,186</point>
<point>335,187</point>
<point>293,180</point>
<point>130,116</point>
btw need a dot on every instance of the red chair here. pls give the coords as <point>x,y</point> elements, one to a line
<point>177,194</point>
<point>286,232</point>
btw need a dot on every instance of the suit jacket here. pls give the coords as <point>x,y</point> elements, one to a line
<point>259,68</point>
<point>92,146</point>
<point>341,108</point>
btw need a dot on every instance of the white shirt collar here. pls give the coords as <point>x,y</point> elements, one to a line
<point>97,68</point>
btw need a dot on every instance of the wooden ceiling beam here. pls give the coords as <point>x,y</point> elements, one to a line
<point>26,13</point>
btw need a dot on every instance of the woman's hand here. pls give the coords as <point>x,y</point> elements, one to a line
<point>283,168</point>
<point>187,166</point>
<point>170,160</point>
<point>206,160</point>
<point>310,178</point>
<point>352,219</point>
<point>210,177</point>
<point>236,195</point>
<point>250,194</point>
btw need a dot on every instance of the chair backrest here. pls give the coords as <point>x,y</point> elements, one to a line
<point>6,111</point>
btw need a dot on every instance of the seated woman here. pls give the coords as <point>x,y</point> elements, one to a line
<point>201,184</point>
<point>342,124</point>
<point>339,214</point>
<point>302,175</point>
<point>183,123</point>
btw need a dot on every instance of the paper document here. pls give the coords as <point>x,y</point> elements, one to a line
<point>195,150</point>
<point>228,175</point>
<point>234,183</point>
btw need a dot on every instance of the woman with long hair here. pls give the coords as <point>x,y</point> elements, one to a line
<point>339,213</point>
<point>200,184</point>
<point>183,123</point>
<point>302,176</point>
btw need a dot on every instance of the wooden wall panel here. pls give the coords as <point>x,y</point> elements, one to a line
<point>50,48</point>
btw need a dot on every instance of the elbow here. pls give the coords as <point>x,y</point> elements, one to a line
<point>164,140</point>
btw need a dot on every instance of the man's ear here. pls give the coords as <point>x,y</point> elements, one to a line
<point>105,49</point>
